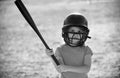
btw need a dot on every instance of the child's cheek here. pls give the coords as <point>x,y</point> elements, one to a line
<point>70,35</point>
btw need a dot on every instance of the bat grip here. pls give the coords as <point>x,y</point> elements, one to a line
<point>52,56</point>
<point>56,61</point>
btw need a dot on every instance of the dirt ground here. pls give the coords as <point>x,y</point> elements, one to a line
<point>22,53</point>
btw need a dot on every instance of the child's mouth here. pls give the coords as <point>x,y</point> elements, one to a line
<point>74,40</point>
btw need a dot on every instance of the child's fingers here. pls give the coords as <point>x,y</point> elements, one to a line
<point>49,52</point>
<point>62,68</point>
<point>59,69</point>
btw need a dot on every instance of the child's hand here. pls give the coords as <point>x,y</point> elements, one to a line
<point>49,52</point>
<point>62,68</point>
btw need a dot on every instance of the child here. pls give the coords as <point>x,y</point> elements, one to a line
<point>74,56</point>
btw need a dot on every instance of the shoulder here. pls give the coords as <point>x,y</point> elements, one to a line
<point>88,51</point>
<point>59,49</point>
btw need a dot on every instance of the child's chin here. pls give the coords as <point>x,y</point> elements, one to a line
<point>74,43</point>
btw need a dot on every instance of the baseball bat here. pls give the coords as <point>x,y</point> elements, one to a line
<point>29,19</point>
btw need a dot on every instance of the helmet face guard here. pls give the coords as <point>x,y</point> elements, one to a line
<point>69,40</point>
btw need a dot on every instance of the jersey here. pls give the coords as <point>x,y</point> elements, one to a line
<point>73,56</point>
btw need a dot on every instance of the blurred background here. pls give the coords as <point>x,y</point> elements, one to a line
<point>22,54</point>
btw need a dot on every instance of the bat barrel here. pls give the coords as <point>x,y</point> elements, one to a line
<point>29,19</point>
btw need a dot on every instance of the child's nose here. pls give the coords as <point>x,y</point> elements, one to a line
<point>77,35</point>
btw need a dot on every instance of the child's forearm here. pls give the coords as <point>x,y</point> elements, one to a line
<point>79,69</point>
<point>55,65</point>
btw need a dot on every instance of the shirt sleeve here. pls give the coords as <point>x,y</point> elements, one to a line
<point>89,51</point>
<point>58,55</point>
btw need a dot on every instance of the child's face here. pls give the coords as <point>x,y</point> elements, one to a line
<point>74,34</point>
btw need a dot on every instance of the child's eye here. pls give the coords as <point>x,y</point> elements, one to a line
<point>72,31</point>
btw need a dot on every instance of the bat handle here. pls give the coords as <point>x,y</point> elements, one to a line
<point>52,56</point>
<point>56,61</point>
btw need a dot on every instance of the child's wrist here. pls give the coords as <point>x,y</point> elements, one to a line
<point>68,68</point>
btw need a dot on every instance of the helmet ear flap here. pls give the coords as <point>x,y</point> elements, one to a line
<point>64,31</point>
<point>63,35</point>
